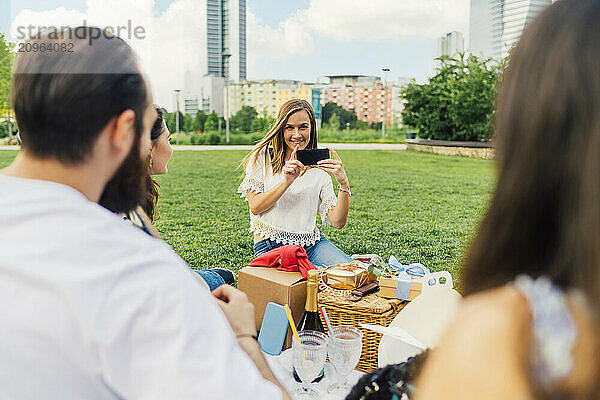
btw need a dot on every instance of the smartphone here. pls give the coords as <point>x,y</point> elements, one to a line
<point>312,156</point>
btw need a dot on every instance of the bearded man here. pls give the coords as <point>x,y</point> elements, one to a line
<point>90,306</point>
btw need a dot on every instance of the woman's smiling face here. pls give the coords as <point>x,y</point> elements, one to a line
<point>296,131</point>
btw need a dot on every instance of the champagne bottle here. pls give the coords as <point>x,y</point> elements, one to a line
<point>310,319</point>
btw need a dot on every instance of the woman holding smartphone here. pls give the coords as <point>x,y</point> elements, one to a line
<point>285,196</point>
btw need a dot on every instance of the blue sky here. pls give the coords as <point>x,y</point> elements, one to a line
<point>308,39</point>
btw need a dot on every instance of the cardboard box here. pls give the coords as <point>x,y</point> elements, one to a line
<point>395,288</point>
<point>263,284</point>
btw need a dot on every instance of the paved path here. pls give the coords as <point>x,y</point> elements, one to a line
<point>336,146</point>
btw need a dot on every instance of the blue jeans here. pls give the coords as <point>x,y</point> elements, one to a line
<point>213,279</point>
<point>323,252</point>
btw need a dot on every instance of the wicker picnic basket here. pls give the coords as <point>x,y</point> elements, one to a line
<point>371,309</point>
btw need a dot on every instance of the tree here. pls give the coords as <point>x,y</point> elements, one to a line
<point>199,121</point>
<point>171,120</point>
<point>261,125</point>
<point>242,120</point>
<point>457,102</point>
<point>334,123</point>
<point>345,118</point>
<point>6,60</point>
<point>258,125</point>
<point>327,111</point>
<point>188,123</point>
<point>212,122</point>
<point>362,125</point>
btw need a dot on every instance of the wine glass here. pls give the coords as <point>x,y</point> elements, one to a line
<point>344,350</point>
<point>308,358</point>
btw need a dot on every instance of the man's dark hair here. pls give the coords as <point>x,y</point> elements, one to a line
<point>63,100</point>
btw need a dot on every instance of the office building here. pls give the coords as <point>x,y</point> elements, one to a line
<point>267,96</point>
<point>226,35</point>
<point>220,58</point>
<point>398,101</point>
<point>365,95</point>
<point>451,44</point>
<point>496,25</point>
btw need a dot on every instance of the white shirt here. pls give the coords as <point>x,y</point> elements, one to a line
<point>93,308</point>
<point>292,220</point>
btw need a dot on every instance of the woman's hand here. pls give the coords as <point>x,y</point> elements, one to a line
<point>262,202</point>
<point>336,167</point>
<point>293,168</point>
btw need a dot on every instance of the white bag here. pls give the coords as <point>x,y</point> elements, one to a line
<point>424,320</point>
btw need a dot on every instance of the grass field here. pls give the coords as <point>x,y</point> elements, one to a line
<point>419,207</point>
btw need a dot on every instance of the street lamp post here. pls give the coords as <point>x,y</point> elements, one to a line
<point>225,57</point>
<point>177,116</point>
<point>10,132</point>
<point>320,86</point>
<point>384,103</point>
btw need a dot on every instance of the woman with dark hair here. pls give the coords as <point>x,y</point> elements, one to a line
<point>143,216</point>
<point>160,154</point>
<point>528,328</point>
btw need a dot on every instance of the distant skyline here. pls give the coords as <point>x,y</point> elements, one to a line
<point>293,39</point>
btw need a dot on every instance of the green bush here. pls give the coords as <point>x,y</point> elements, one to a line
<point>392,135</point>
<point>457,102</point>
<point>203,139</point>
<point>245,138</point>
<point>214,138</point>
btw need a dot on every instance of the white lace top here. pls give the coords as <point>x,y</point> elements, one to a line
<point>292,220</point>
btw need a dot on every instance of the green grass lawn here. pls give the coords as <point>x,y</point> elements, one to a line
<point>419,207</point>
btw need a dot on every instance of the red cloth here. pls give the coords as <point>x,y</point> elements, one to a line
<point>291,258</point>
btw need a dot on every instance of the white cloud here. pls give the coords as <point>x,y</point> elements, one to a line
<point>348,20</point>
<point>291,38</point>
<point>171,42</point>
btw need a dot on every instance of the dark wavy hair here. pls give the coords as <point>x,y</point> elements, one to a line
<point>392,381</point>
<point>152,186</point>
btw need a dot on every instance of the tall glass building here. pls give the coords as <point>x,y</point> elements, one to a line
<point>220,58</point>
<point>496,25</point>
<point>226,34</point>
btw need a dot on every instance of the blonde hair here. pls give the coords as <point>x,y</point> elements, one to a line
<point>274,142</point>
